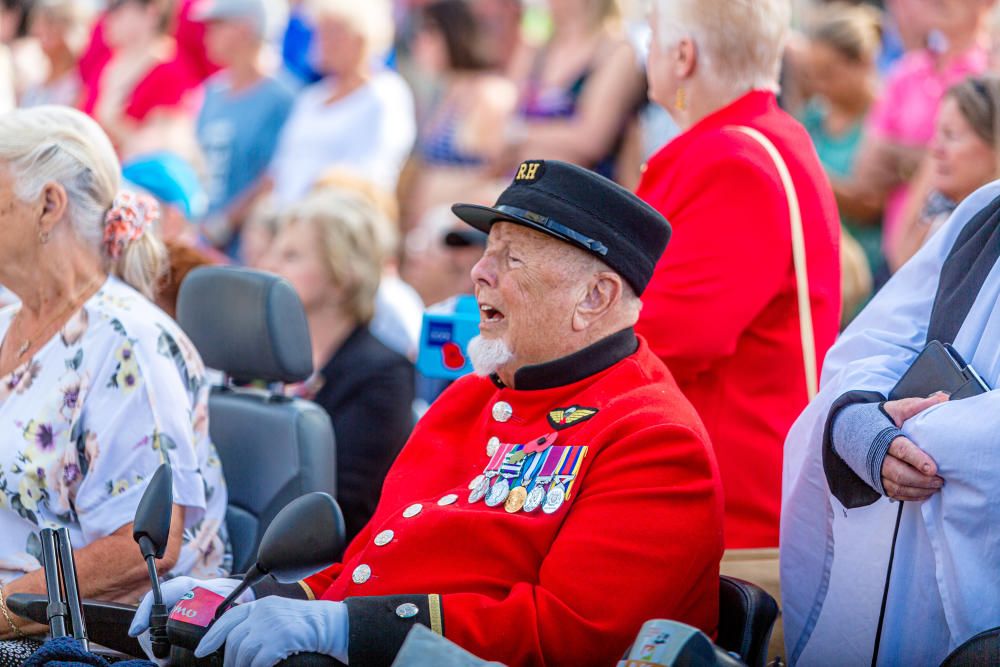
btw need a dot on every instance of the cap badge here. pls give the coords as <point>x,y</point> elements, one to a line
<point>561,418</point>
<point>529,172</point>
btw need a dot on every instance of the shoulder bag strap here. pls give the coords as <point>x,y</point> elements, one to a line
<point>798,259</point>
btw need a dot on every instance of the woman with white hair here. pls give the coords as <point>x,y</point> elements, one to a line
<point>359,116</point>
<point>98,387</point>
<point>739,323</point>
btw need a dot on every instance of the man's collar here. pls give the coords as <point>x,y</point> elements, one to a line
<point>591,360</point>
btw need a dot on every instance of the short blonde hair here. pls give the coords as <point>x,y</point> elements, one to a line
<point>346,226</point>
<point>854,31</point>
<point>739,42</point>
<point>370,19</point>
<point>55,144</point>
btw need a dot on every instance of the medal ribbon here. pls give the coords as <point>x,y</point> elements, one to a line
<point>529,470</point>
<point>576,470</point>
<point>569,463</point>
<point>509,470</point>
<point>555,457</point>
<point>498,457</point>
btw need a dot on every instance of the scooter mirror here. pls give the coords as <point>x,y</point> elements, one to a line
<point>305,537</point>
<point>151,527</point>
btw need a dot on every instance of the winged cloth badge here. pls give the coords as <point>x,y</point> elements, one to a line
<point>561,418</point>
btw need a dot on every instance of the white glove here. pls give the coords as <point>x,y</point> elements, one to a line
<point>174,589</point>
<point>269,630</point>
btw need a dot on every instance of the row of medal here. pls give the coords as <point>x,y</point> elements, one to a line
<point>528,477</point>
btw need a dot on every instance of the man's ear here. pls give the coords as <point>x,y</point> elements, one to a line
<point>604,291</point>
<point>54,206</point>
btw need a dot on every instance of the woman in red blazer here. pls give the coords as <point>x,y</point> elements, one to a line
<point>721,310</point>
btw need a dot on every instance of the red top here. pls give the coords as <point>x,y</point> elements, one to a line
<point>721,310</point>
<point>165,86</point>
<point>639,537</point>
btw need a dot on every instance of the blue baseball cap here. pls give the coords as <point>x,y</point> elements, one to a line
<point>169,178</point>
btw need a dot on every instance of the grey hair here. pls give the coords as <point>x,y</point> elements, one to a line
<point>739,42</point>
<point>55,144</point>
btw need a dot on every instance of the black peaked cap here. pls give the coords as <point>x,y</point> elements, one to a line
<point>584,209</point>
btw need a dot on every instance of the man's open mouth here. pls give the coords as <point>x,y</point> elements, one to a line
<point>488,313</point>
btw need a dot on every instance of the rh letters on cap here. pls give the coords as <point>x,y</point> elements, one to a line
<point>529,172</point>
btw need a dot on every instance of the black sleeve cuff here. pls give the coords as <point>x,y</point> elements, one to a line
<point>269,586</point>
<point>845,485</point>
<point>379,624</point>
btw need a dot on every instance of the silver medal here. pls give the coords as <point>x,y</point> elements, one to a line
<point>474,483</point>
<point>477,493</point>
<point>535,498</point>
<point>498,493</point>
<point>554,498</point>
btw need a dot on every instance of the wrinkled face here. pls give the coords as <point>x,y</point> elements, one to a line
<point>18,228</point>
<point>339,48</point>
<point>527,287</point>
<point>295,256</point>
<point>834,76</point>
<point>962,160</point>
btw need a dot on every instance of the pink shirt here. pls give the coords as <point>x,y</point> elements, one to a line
<point>906,111</point>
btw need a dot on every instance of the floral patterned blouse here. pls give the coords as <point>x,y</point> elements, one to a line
<point>87,420</point>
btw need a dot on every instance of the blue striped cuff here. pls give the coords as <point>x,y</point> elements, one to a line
<point>877,453</point>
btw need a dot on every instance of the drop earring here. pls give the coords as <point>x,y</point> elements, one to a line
<point>680,101</point>
<point>43,237</point>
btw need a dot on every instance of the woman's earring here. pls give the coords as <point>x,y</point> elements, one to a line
<point>43,237</point>
<point>680,102</point>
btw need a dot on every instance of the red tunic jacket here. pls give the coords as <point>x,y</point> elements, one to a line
<point>639,537</point>
<point>721,309</point>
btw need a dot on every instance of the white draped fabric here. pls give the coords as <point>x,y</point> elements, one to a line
<point>946,577</point>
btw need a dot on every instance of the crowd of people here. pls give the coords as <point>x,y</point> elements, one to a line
<point>707,239</point>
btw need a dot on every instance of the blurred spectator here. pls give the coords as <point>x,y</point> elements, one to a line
<point>359,117</point>
<point>964,157</point>
<point>143,93</point>
<point>459,137</point>
<point>440,254</point>
<point>242,115</point>
<point>578,90</point>
<point>500,23</point>
<point>840,65</point>
<point>721,310</point>
<point>398,308</point>
<point>60,26</point>
<point>901,124</point>
<point>261,226</point>
<point>26,66</point>
<point>329,250</point>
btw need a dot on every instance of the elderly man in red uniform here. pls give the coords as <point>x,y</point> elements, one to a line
<point>548,505</point>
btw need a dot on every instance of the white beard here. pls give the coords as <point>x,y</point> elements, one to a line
<point>487,355</point>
